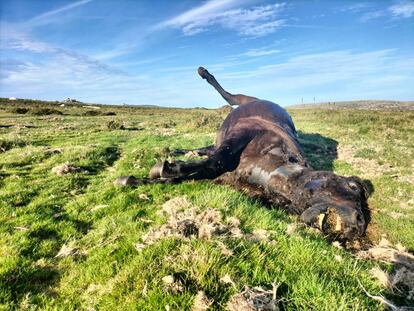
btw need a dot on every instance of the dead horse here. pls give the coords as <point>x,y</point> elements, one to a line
<point>257,147</point>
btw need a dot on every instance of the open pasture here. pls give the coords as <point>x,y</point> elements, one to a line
<point>70,240</point>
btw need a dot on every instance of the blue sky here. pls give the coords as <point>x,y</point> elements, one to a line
<point>147,52</point>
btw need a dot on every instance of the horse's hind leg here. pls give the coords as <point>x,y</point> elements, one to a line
<point>234,100</point>
<point>225,159</point>
<point>199,152</point>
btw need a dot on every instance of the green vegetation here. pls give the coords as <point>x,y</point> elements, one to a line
<point>67,240</point>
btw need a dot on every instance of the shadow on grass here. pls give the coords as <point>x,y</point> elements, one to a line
<point>320,151</point>
<point>27,279</point>
<point>107,156</point>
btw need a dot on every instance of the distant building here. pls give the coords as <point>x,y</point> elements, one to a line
<point>12,98</point>
<point>71,100</point>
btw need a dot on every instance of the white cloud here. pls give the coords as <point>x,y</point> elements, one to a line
<point>403,9</point>
<point>253,22</point>
<point>262,29</point>
<point>260,52</point>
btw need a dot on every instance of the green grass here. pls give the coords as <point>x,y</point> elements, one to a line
<point>40,211</point>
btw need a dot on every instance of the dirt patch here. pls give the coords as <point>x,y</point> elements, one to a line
<point>291,228</point>
<point>52,151</point>
<point>396,215</point>
<point>171,284</point>
<point>201,302</point>
<point>255,298</point>
<point>66,168</point>
<point>369,168</point>
<point>185,221</point>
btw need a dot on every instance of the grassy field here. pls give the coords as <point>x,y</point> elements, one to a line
<point>71,240</point>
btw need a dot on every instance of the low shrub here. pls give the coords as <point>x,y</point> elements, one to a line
<point>45,112</point>
<point>92,113</point>
<point>19,110</point>
<point>114,125</point>
<point>10,144</point>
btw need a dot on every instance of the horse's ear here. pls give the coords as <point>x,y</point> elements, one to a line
<point>365,184</point>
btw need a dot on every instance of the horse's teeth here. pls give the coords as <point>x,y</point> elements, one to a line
<point>321,217</point>
<point>338,225</point>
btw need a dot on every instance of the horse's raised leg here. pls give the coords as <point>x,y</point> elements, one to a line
<point>238,99</point>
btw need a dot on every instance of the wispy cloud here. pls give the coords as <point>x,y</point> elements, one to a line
<point>46,17</point>
<point>11,38</point>
<point>403,9</point>
<point>253,22</point>
<point>17,40</point>
<point>373,15</point>
<point>260,52</point>
<point>356,7</point>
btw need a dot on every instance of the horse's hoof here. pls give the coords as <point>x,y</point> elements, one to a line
<point>203,72</point>
<point>126,181</point>
<point>156,170</point>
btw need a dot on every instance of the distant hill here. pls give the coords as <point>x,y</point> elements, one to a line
<point>361,104</point>
<point>67,102</point>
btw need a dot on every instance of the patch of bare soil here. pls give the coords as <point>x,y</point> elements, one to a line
<point>66,168</point>
<point>254,298</point>
<point>185,221</point>
<point>52,151</point>
<point>201,302</point>
<point>171,284</point>
<point>369,168</point>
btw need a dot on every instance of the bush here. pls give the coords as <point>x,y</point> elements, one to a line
<point>92,113</point>
<point>115,125</point>
<point>10,144</point>
<point>45,112</point>
<point>211,121</point>
<point>19,110</point>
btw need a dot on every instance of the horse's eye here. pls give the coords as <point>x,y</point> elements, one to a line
<point>353,185</point>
